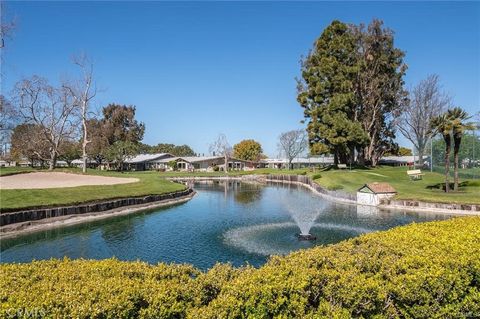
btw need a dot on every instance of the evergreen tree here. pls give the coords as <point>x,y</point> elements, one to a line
<point>326,92</point>
<point>351,90</point>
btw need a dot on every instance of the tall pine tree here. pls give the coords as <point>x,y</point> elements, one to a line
<point>351,90</point>
<point>326,92</point>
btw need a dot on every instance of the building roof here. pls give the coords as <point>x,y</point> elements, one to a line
<point>80,161</point>
<point>140,158</point>
<point>379,188</point>
<point>304,160</point>
<point>195,159</point>
<point>233,159</point>
<point>165,160</point>
<point>189,159</point>
<point>401,159</point>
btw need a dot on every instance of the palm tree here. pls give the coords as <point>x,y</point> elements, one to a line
<point>443,125</point>
<point>457,117</point>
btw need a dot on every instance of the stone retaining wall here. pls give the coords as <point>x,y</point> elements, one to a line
<point>307,181</point>
<point>433,206</point>
<point>93,207</point>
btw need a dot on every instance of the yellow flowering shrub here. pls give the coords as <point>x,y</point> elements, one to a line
<point>423,270</point>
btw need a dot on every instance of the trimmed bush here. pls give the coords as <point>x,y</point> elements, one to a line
<point>335,187</point>
<point>417,271</point>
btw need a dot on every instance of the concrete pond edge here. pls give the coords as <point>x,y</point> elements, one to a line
<point>347,198</point>
<point>17,223</point>
<point>49,218</point>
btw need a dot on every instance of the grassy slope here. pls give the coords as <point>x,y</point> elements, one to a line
<point>4,171</point>
<point>153,183</point>
<point>150,183</point>
<point>398,178</point>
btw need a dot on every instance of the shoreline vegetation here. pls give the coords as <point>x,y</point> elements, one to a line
<point>419,270</point>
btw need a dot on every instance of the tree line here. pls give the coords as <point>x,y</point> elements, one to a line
<point>46,123</point>
<point>291,144</point>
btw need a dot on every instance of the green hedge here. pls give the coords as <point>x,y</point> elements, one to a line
<point>417,271</point>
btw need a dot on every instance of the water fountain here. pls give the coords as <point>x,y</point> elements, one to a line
<point>304,210</point>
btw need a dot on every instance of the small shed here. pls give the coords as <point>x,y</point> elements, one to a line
<point>373,193</point>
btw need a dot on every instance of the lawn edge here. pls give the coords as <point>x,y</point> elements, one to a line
<point>21,228</point>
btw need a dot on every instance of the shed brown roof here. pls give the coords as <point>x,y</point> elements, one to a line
<point>381,188</point>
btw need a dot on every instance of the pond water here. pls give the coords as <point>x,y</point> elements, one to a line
<point>232,221</point>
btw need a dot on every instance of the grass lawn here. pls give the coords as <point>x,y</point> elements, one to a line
<point>155,183</point>
<point>350,181</point>
<point>150,183</point>
<point>4,171</point>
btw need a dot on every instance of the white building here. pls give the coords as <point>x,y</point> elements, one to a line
<point>372,194</point>
<point>403,160</point>
<point>204,163</point>
<point>79,163</point>
<point>189,163</point>
<point>301,162</point>
<point>142,162</point>
<point>4,163</point>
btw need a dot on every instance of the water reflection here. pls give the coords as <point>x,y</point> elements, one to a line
<point>227,221</point>
<point>122,230</point>
<point>247,193</point>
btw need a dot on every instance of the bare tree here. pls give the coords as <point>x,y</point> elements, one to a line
<point>29,142</point>
<point>7,123</point>
<point>48,107</point>
<point>222,147</point>
<point>427,101</point>
<point>6,26</point>
<point>83,91</point>
<point>292,144</point>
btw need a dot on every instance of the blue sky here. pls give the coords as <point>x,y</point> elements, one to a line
<point>197,69</point>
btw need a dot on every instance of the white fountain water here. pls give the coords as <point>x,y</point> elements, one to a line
<point>304,209</point>
<point>277,238</point>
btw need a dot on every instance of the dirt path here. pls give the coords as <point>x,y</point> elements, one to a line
<point>58,180</point>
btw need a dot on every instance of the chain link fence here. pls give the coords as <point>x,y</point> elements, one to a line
<point>468,155</point>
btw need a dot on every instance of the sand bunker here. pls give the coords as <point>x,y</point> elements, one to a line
<point>58,180</point>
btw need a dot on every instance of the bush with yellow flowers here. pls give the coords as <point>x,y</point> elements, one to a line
<point>417,271</point>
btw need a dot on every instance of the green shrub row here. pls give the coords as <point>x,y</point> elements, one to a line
<point>335,187</point>
<point>429,270</point>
